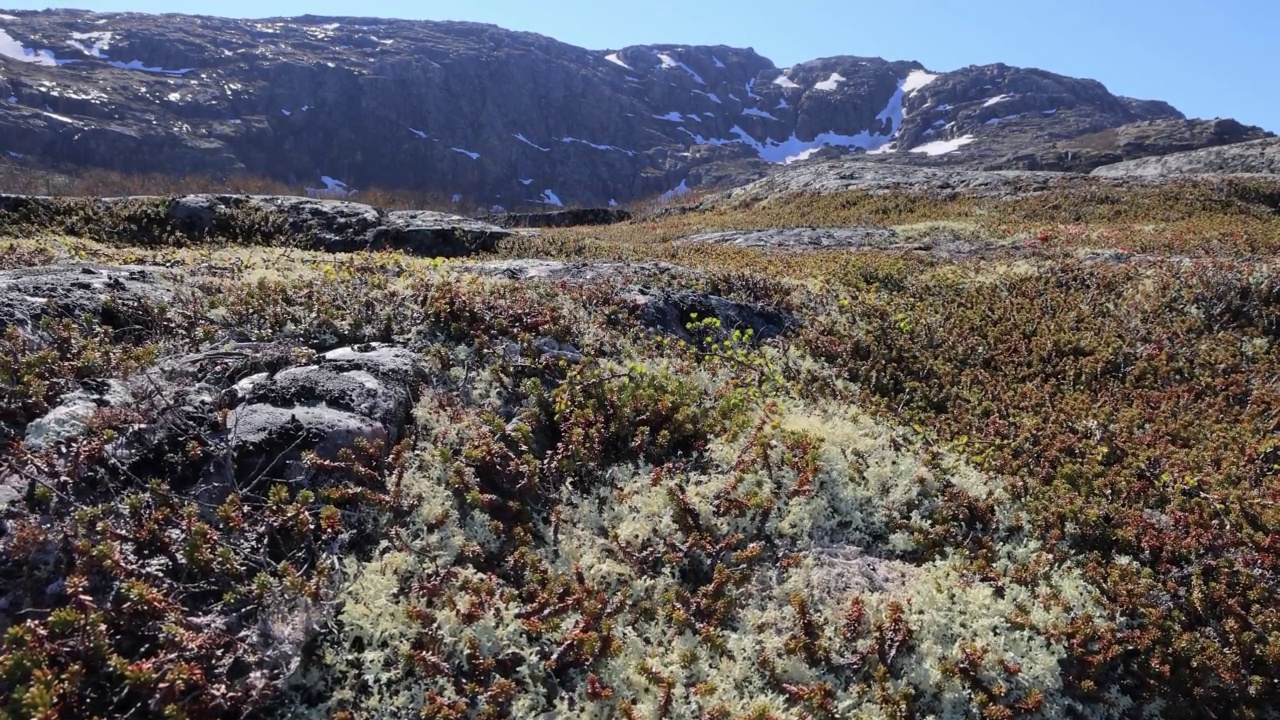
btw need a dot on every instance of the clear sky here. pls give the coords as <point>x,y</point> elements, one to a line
<point>1210,58</point>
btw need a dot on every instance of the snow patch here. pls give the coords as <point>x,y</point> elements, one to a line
<point>138,65</point>
<point>675,192</point>
<point>996,121</point>
<point>419,133</point>
<point>717,61</point>
<point>99,41</point>
<point>8,17</point>
<point>61,118</point>
<point>751,90</point>
<point>782,103</point>
<point>613,58</point>
<point>669,62</point>
<point>917,79</point>
<point>1050,112</point>
<point>758,113</point>
<point>14,50</point>
<point>284,112</point>
<point>527,182</point>
<point>549,198</point>
<point>333,188</point>
<point>996,99</point>
<point>711,96</point>
<point>793,148</point>
<point>613,203</point>
<point>831,83</point>
<point>595,145</point>
<point>468,153</point>
<point>784,81</point>
<point>942,147</point>
<point>673,116</point>
<point>527,141</point>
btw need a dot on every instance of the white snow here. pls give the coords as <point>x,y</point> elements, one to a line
<point>549,198</point>
<point>8,17</point>
<point>100,41</point>
<point>613,203</point>
<point>673,116</point>
<point>917,79</point>
<point>996,99</point>
<point>63,118</point>
<point>785,81</point>
<point>699,140</point>
<point>177,96</point>
<point>527,141</point>
<point>831,83</point>
<point>14,50</point>
<point>468,153</point>
<point>596,145</point>
<point>782,103</point>
<point>711,96</point>
<point>1050,112</point>
<point>527,182</point>
<point>675,192</point>
<point>419,133</point>
<point>669,62</point>
<point>942,147</point>
<point>613,58</point>
<point>235,121</point>
<point>332,26</point>
<point>457,198</point>
<point>284,112</point>
<point>13,98</point>
<point>497,209</point>
<point>333,188</point>
<point>15,155</point>
<point>694,118</point>
<point>717,60</point>
<point>758,113</point>
<point>750,93</point>
<point>996,121</point>
<point>793,149</point>
<point>137,65</point>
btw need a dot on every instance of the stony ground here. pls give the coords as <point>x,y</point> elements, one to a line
<point>906,453</point>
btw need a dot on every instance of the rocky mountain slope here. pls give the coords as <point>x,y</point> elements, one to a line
<point>488,116</point>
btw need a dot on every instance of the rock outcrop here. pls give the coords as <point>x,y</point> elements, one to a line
<point>325,225</point>
<point>1256,157</point>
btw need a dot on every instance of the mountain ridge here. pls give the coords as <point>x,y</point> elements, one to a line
<point>507,119</point>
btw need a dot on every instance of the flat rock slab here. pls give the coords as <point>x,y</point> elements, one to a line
<point>800,238</point>
<point>577,272</point>
<point>1257,157</point>
<point>561,218</point>
<point>78,291</point>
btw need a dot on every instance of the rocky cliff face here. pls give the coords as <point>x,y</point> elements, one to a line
<point>492,117</point>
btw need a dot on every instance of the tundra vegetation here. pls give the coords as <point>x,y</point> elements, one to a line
<point>1024,464</point>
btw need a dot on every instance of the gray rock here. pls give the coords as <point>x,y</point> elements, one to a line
<point>671,311</point>
<point>70,417</point>
<point>1260,157</point>
<point>561,218</point>
<point>315,224</point>
<point>800,238</point>
<point>576,272</point>
<point>268,441</point>
<point>79,291</point>
<point>350,394</point>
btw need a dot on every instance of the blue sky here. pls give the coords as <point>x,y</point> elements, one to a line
<point>1210,58</point>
